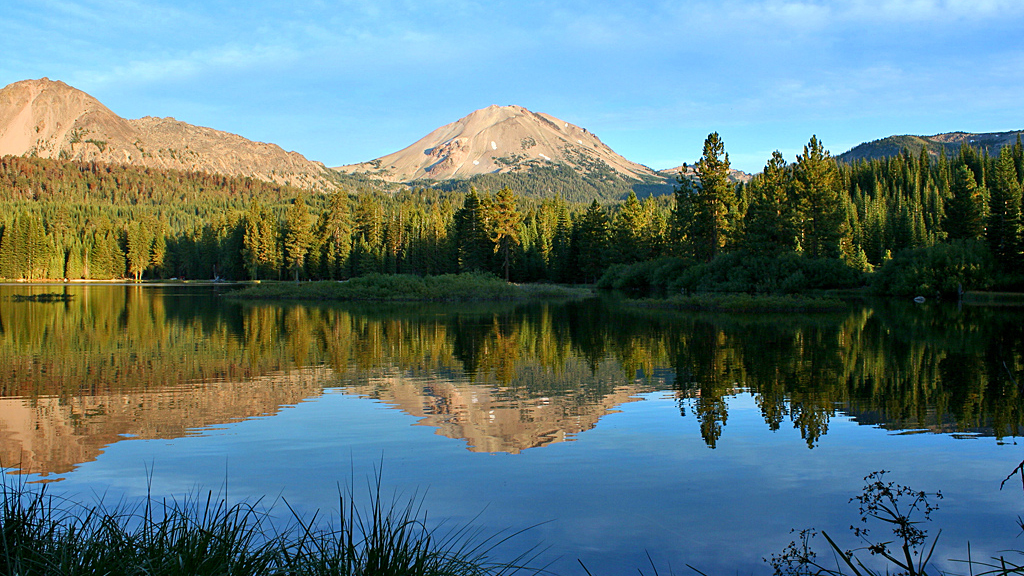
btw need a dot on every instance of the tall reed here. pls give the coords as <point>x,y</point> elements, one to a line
<point>45,534</point>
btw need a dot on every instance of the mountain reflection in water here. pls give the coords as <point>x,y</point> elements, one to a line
<point>117,362</point>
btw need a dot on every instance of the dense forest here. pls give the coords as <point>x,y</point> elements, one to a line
<point>811,223</point>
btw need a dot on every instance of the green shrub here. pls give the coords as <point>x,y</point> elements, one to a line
<point>733,272</point>
<point>642,278</point>
<point>785,273</point>
<point>940,270</point>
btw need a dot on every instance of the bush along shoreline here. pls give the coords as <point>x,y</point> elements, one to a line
<point>465,287</point>
<point>743,281</point>
<point>736,282</point>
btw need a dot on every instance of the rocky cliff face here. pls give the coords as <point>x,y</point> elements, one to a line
<point>499,139</point>
<point>53,120</point>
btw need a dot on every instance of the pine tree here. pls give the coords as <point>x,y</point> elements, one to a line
<point>1004,222</point>
<point>682,217</point>
<point>261,251</point>
<point>560,263</point>
<point>821,215</point>
<point>106,260</point>
<point>334,238</point>
<point>593,242</point>
<point>441,256</point>
<point>140,244</point>
<point>99,258</point>
<point>628,232</point>
<point>9,257</point>
<point>504,230</point>
<point>369,221</point>
<point>652,238</point>
<point>366,259</point>
<point>965,216</point>
<point>473,244</point>
<point>712,201</point>
<point>770,226</point>
<point>298,237</point>
<point>75,267</point>
<point>25,249</point>
<point>1018,159</point>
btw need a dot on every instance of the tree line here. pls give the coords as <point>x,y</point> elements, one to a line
<point>97,221</point>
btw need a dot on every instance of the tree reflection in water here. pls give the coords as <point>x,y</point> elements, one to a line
<point>507,376</point>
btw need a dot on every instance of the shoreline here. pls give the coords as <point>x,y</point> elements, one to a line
<point>466,287</point>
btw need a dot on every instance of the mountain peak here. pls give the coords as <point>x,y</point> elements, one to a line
<point>50,119</point>
<point>499,139</point>
<point>47,118</point>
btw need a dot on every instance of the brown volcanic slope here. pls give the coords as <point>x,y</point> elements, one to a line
<point>53,120</point>
<point>498,139</point>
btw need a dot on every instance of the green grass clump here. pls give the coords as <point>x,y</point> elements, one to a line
<point>408,288</point>
<point>45,534</point>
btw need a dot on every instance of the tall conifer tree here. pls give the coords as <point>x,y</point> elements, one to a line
<point>593,242</point>
<point>771,225</point>
<point>471,236</point>
<point>334,239</point>
<point>628,230</point>
<point>504,229</point>
<point>821,213</point>
<point>298,236</point>
<point>1004,222</point>
<point>965,215</point>
<point>713,200</point>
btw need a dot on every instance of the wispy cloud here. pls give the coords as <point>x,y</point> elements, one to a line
<point>657,71</point>
<point>189,65</point>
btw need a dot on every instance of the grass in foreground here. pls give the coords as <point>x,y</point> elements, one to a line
<point>44,534</point>
<point>465,287</point>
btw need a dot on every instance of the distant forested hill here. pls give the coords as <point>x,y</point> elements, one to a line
<point>948,143</point>
<point>561,180</point>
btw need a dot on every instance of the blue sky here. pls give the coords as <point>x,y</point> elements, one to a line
<point>347,81</point>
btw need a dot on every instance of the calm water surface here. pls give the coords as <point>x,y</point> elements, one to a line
<point>699,438</point>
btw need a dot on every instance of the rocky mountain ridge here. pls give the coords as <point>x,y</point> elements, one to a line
<point>50,119</point>
<point>501,144</point>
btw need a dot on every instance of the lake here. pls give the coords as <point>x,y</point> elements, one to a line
<point>607,432</point>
